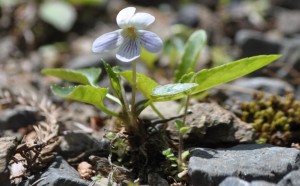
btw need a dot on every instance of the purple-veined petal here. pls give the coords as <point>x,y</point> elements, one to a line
<point>150,41</point>
<point>124,16</point>
<point>107,42</point>
<point>141,20</point>
<point>129,50</point>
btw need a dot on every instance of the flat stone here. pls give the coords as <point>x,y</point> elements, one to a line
<point>7,146</point>
<point>59,173</point>
<point>249,162</point>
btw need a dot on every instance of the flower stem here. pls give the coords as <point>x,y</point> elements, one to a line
<point>133,111</point>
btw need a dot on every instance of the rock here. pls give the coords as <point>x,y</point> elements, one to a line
<point>59,173</point>
<point>156,179</point>
<point>168,109</point>
<point>20,116</point>
<point>269,85</point>
<point>287,21</point>
<point>7,146</point>
<point>71,148</point>
<point>253,43</point>
<point>291,4</point>
<point>249,162</point>
<point>230,181</point>
<point>291,179</point>
<point>211,124</point>
<point>188,15</point>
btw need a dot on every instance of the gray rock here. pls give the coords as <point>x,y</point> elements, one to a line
<point>230,181</point>
<point>288,22</point>
<point>261,183</point>
<point>211,124</point>
<point>20,116</point>
<point>188,15</point>
<point>269,85</point>
<point>291,179</point>
<point>291,4</point>
<point>253,43</point>
<point>156,179</point>
<point>59,173</point>
<point>234,181</point>
<point>249,162</point>
<point>7,146</point>
<point>70,148</point>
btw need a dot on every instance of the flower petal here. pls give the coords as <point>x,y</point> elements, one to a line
<point>141,20</point>
<point>107,42</point>
<point>124,16</point>
<point>129,50</point>
<point>150,41</point>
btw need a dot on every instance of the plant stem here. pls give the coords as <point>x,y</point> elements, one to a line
<point>157,111</point>
<point>186,109</point>
<point>180,149</point>
<point>133,111</point>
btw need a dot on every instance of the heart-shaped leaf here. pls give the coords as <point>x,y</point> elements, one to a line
<point>143,83</point>
<point>84,93</point>
<point>87,76</point>
<point>172,91</point>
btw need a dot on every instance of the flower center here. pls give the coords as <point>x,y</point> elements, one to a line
<point>131,32</point>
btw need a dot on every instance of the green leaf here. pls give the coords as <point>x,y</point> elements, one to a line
<point>87,76</point>
<point>191,53</point>
<point>183,130</point>
<point>179,124</point>
<point>59,14</point>
<point>143,83</point>
<point>172,91</point>
<point>230,71</point>
<point>114,80</point>
<point>84,93</point>
<point>167,152</point>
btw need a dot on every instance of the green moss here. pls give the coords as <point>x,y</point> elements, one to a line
<point>275,119</point>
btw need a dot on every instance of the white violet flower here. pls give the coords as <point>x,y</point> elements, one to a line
<point>130,38</point>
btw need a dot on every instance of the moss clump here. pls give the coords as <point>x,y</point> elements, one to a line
<point>276,120</point>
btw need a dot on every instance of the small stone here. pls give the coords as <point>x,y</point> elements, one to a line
<point>85,170</point>
<point>249,162</point>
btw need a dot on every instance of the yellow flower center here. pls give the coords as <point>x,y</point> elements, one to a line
<point>131,31</point>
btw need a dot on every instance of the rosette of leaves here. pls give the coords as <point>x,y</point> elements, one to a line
<point>276,120</point>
